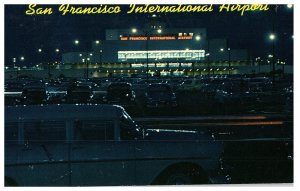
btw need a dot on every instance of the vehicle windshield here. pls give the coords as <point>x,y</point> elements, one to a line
<point>128,128</point>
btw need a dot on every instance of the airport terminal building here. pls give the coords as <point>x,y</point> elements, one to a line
<point>159,50</point>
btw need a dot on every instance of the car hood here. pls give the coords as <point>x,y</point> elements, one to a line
<point>172,134</point>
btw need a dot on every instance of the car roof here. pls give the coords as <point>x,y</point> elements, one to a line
<point>62,112</point>
<point>158,85</point>
<point>118,84</point>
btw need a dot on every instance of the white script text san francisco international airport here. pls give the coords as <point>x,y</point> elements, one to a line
<point>65,9</point>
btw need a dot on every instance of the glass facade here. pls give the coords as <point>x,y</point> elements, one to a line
<point>161,55</point>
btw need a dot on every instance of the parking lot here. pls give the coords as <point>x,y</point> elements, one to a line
<point>256,120</point>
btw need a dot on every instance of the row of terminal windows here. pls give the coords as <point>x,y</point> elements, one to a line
<point>160,55</point>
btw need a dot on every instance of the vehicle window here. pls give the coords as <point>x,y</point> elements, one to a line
<point>11,132</point>
<point>93,130</point>
<point>128,129</point>
<point>44,131</point>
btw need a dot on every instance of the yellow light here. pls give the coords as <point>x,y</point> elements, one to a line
<point>133,30</point>
<point>272,37</point>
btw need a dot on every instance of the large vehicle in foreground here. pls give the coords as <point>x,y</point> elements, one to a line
<point>98,145</point>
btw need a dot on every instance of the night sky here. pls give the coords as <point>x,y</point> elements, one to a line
<point>25,34</point>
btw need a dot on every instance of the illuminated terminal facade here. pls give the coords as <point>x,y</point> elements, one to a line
<point>157,48</point>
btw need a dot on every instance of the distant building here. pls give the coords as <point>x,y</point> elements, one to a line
<point>157,45</point>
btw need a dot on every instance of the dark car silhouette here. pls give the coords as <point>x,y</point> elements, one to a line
<point>120,93</point>
<point>160,95</point>
<point>34,95</point>
<point>79,94</point>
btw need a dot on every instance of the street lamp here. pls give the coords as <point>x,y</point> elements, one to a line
<point>86,59</point>
<point>208,56</point>
<point>22,58</point>
<point>147,50</point>
<point>14,62</point>
<point>197,38</point>
<point>134,30</point>
<point>41,61</point>
<point>272,37</point>
<point>229,60</point>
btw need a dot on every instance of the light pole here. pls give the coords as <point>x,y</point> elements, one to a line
<point>56,60</point>
<point>87,65</point>
<point>272,37</point>
<point>147,32</point>
<point>41,52</point>
<point>208,57</point>
<point>229,60</point>
<point>198,38</point>
<point>85,60</point>
<point>14,62</point>
<point>147,57</point>
<point>257,61</point>
<point>22,58</point>
<point>97,43</point>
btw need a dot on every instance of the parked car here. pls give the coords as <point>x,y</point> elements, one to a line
<point>34,95</point>
<point>79,94</point>
<point>160,95</point>
<point>190,85</point>
<point>120,93</point>
<point>13,86</point>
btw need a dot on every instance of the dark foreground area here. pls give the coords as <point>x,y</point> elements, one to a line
<point>257,148</point>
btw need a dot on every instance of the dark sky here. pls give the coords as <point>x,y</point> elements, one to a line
<point>24,34</point>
